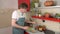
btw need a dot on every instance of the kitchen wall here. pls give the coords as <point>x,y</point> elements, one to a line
<point>52,10</point>
<point>57,2</point>
<point>13,4</point>
<point>6,9</point>
<point>5,17</point>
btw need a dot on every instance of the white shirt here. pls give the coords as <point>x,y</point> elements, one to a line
<point>18,14</point>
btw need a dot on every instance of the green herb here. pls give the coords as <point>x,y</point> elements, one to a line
<point>32,5</point>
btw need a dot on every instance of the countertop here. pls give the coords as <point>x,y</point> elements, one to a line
<point>37,32</point>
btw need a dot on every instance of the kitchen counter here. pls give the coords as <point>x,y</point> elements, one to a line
<point>37,32</point>
<point>44,32</point>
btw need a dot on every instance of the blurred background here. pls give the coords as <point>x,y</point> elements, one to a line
<point>8,6</point>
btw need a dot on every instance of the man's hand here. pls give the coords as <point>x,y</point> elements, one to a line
<point>28,21</point>
<point>33,22</point>
<point>25,28</point>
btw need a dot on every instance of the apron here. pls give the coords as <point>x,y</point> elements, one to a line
<point>18,30</point>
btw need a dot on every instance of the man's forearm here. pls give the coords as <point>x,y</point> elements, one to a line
<point>28,21</point>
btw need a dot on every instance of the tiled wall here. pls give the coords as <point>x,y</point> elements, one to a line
<point>6,8</point>
<point>9,4</point>
<point>5,17</point>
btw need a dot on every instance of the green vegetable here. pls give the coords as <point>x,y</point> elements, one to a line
<point>32,5</point>
<point>30,29</point>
